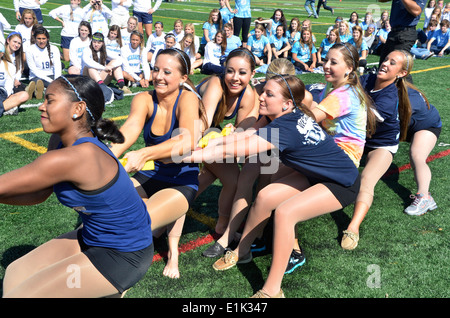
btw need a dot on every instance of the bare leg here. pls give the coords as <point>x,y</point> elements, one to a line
<point>228,174</point>
<point>174,233</point>
<point>56,269</point>
<point>66,56</point>
<point>14,100</point>
<point>241,202</point>
<point>422,144</point>
<point>310,203</point>
<point>267,200</point>
<point>148,29</point>
<point>378,162</point>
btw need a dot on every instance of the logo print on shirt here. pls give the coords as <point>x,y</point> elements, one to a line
<point>311,131</point>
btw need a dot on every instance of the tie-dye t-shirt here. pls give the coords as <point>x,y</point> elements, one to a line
<point>346,120</point>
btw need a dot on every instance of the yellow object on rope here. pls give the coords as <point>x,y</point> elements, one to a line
<point>149,165</point>
<point>212,135</point>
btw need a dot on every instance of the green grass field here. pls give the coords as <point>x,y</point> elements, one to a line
<point>398,256</point>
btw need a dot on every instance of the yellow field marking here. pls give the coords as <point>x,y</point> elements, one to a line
<point>24,143</point>
<point>430,69</point>
<point>13,137</point>
<point>204,219</point>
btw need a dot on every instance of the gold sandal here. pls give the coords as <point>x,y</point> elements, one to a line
<point>262,294</point>
<point>349,240</point>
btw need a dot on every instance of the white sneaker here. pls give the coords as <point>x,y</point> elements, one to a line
<point>421,204</point>
<point>13,111</point>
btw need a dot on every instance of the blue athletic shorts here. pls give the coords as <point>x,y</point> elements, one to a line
<point>65,41</point>
<point>144,17</point>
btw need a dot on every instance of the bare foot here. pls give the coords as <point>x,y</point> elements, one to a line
<point>171,269</point>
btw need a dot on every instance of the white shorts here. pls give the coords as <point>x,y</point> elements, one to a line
<point>120,20</point>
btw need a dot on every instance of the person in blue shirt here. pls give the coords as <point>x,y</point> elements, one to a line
<point>233,41</point>
<point>227,15</point>
<point>210,28</point>
<point>419,50</point>
<point>316,177</point>
<point>259,45</point>
<point>439,44</point>
<point>168,118</point>
<point>331,39</point>
<point>404,16</point>
<point>228,97</point>
<point>277,19</point>
<point>304,52</point>
<point>423,132</point>
<point>381,38</point>
<point>361,46</point>
<point>113,248</point>
<point>279,43</point>
<point>242,18</point>
<point>353,20</point>
<point>344,32</point>
<point>293,32</point>
<point>388,91</point>
<point>368,20</point>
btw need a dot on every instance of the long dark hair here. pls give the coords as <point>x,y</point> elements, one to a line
<point>83,88</point>
<point>185,69</point>
<point>87,25</point>
<point>222,108</point>
<point>102,59</point>
<point>42,30</point>
<point>18,62</point>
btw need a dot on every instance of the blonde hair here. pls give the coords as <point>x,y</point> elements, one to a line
<point>28,11</point>
<point>351,58</point>
<point>281,66</point>
<point>191,47</point>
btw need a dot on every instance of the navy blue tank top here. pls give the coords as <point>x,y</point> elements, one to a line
<point>217,107</point>
<point>114,216</point>
<point>178,173</point>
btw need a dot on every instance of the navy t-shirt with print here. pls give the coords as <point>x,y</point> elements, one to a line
<point>304,146</point>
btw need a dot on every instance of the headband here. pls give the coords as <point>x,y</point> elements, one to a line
<point>289,88</point>
<point>169,35</point>
<point>247,52</point>
<point>98,37</point>
<point>78,96</point>
<point>351,54</point>
<point>182,56</point>
<point>14,33</point>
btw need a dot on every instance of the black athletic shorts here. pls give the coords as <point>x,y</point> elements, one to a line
<point>122,269</point>
<point>345,195</point>
<point>434,130</point>
<point>151,186</point>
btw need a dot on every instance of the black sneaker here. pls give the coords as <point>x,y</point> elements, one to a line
<point>297,259</point>
<point>258,245</point>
